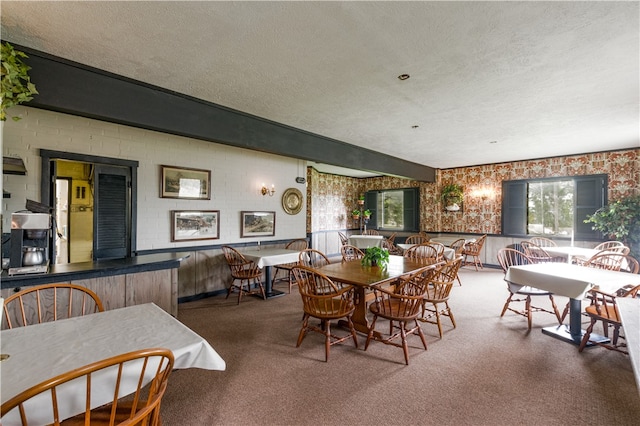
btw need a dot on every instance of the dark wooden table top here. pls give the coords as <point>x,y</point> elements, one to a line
<point>355,273</point>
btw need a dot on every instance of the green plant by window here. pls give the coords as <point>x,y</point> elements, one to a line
<point>451,194</point>
<point>366,213</point>
<point>375,256</point>
<point>16,85</point>
<point>620,220</point>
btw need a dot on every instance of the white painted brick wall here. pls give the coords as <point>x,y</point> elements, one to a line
<point>236,174</point>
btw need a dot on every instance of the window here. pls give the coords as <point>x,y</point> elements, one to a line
<point>552,207</point>
<point>394,209</point>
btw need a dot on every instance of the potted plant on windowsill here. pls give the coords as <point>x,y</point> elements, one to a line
<point>451,196</point>
<point>16,85</point>
<point>375,256</point>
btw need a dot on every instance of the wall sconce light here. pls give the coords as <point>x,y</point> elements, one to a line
<point>484,193</point>
<point>265,190</point>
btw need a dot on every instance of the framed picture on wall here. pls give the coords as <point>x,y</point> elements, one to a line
<point>182,182</point>
<point>189,225</point>
<point>258,224</point>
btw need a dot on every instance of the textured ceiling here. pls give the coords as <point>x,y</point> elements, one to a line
<point>540,78</point>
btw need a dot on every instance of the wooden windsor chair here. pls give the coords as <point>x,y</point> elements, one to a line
<point>438,293</point>
<point>148,384</point>
<point>49,302</point>
<point>245,271</point>
<point>509,257</point>
<point>326,301</point>
<point>401,305</point>
<point>299,245</point>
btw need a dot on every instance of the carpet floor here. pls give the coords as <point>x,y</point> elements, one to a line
<point>487,371</point>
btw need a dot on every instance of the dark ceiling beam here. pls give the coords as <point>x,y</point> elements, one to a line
<point>77,89</point>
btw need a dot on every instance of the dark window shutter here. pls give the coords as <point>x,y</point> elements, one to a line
<point>514,208</point>
<point>112,216</point>
<point>371,203</point>
<point>590,195</point>
<point>411,210</point>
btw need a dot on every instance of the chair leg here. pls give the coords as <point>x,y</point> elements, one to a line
<point>437,309</point>
<point>421,334</point>
<point>564,313</point>
<point>453,321</point>
<point>506,305</point>
<point>405,346</point>
<point>241,291</point>
<point>327,338</point>
<point>353,331</point>
<point>555,309</point>
<point>264,295</point>
<point>371,330</point>
<point>586,336</point>
<point>303,330</point>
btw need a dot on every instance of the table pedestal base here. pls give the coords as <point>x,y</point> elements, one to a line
<point>562,332</point>
<point>273,293</point>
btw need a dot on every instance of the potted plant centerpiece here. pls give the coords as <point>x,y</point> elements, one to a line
<point>16,83</point>
<point>451,196</point>
<point>375,256</point>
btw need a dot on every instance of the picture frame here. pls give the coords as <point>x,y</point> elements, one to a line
<point>257,224</point>
<point>191,225</point>
<point>185,183</point>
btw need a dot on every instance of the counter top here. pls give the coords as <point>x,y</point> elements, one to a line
<point>100,268</point>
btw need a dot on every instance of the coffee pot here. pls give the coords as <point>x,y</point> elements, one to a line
<point>33,256</point>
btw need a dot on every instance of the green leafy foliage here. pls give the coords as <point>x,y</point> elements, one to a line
<point>375,256</point>
<point>620,220</point>
<point>355,212</point>
<point>16,84</point>
<point>452,194</point>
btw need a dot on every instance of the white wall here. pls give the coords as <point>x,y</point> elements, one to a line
<point>236,174</point>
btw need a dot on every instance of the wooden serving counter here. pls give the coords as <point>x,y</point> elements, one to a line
<point>118,282</point>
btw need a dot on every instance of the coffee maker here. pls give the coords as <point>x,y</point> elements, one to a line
<point>30,233</point>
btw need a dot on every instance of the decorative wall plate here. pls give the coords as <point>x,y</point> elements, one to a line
<point>292,201</point>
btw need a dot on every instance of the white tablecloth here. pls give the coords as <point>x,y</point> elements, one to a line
<point>271,256</point>
<point>629,309</point>
<point>567,279</point>
<point>41,351</point>
<point>570,252</point>
<point>448,253</point>
<point>365,241</point>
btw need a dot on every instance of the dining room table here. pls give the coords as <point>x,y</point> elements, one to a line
<point>571,252</point>
<point>448,253</point>
<point>447,241</point>
<point>572,281</point>
<point>266,258</point>
<point>362,277</point>
<point>629,310</point>
<point>39,352</point>
<point>365,241</point>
